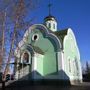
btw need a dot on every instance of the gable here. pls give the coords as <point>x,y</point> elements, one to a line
<point>40,39</point>
<point>70,44</point>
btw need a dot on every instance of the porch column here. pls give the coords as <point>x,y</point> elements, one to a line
<point>34,66</point>
<point>60,56</point>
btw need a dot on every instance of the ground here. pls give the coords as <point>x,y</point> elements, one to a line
<point>83,86</point>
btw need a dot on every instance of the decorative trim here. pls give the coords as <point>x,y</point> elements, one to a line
<point>47,33</point>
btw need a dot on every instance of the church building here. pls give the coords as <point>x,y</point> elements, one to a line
<point>45,52</point>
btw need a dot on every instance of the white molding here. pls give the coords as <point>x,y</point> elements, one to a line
<point>23,41</point>
<point>46,31</point>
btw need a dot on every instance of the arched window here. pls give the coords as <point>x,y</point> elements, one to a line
<point>77,67</point>
<point>76,63</point>
<point>25,57</point>
<point>49,25</point>
<point>54,26</point>
<point>69,65</point>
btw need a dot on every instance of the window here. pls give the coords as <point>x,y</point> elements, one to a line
<point>49,25</point>
<point>74,68</point>
<point>35,37</point>
<point>76,63</point>
<point>25,57</point>
<point>77,67</point>
<point>54,26</point>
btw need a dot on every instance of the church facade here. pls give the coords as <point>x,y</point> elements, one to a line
<point>48,53</point>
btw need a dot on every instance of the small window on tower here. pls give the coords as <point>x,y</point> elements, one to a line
<point>54,26</point>
<point>49,25</point>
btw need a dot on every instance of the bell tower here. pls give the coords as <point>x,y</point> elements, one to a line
<point>50,21</point>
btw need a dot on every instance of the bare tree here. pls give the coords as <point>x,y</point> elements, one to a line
<point>86,74</point>
<point>2,38</point>
<point>87,68</point>
<point>14,24</point>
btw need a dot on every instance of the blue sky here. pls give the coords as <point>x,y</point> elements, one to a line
<point>70,13</point>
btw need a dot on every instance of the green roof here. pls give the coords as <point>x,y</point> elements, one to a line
<point>61,34</point>
<point>49,18</point>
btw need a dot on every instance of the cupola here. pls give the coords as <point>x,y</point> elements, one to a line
<point>50,21</point>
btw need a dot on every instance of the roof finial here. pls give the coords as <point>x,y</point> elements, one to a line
<point>49,7</point>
